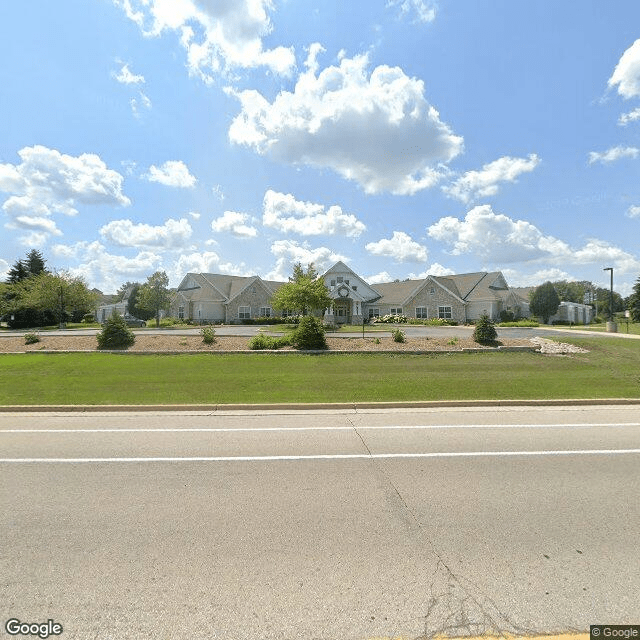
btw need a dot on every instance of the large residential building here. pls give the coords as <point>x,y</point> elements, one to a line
<point>209,297</point>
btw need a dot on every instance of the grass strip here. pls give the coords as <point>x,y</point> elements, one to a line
<point>610,370</point>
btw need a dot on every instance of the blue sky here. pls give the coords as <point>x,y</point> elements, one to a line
<point>404,137</point>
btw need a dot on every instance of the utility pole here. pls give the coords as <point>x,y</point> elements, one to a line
<point>611,325</point>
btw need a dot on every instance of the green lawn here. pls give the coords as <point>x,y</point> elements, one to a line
<point>610,370</point>
<point>632,327</point>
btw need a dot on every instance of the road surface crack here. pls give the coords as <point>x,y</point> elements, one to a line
<point>456,607</point>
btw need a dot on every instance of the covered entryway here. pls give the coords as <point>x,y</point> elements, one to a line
<point>342,311</point>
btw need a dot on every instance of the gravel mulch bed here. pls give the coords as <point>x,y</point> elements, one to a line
<point>160,343</point>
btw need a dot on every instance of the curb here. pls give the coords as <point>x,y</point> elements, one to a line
<point>299,406</point>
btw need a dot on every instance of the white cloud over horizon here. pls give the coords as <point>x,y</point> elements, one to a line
<point>400,247</point>
<point>286,214</point>
<point>173,234</point>
<point>48,182</point>
<point>288,252</point>
<point>376,128</point>
<point>497,239</point>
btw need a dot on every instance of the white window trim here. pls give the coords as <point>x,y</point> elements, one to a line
<point>425,313</point>
<point>395,311</point>
<point>265,312</point>
<point>244,315</point>
<point>373,312</point>
<point>442,312</point>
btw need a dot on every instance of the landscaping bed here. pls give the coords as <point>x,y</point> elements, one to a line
<point>173,344</point>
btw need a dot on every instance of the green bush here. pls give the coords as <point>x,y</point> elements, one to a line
<point>398,335</point>
<point>88,318</point>
<point>208,335</point>
<point>115,334</point>
<point>309,334</point>
<point>520,323</point>
<point>485,331</point>
<point>31,338</point>
<point>262,341</point>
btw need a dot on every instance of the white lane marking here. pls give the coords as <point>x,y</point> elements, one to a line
<point>334,428</point>
<point>345,456</point>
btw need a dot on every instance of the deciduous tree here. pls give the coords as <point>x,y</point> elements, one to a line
<point>154,295</point>
<point>544,301</point>
<point>305,292</point>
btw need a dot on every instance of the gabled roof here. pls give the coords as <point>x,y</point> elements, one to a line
<point>396,292</point>
<point>219,287</point>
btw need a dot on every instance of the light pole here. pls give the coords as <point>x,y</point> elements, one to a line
<point>611,325</point>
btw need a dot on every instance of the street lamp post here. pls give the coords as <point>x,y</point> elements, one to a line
<point>611,325</point>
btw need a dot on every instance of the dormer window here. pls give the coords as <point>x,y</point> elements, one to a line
<point>340,279</point>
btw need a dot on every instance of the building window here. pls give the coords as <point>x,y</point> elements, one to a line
<point>421,312</point>
<point>333,283</point>
<point>286,313</point>
<point>265,312</point>
<point>340,278</point>
<point>374,313</point>
<point>444,313</point>
<point>244,313</point>
<point>181,313</point>
<point>355,287</point>
<point>432,290</point>
<point>395,311</point>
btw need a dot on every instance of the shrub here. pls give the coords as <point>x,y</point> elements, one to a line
<point>208,335</point>
<point>262,341</point>
<point>485,331</point>
<point>115,334</point>
<point>520,323</point>
<point>398,335</point>
<point>88,318</point>
<point>309,334</point>
<point>390,319</point>
<point>31,338</point>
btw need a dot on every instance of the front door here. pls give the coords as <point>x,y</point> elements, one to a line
<point>342,311</point>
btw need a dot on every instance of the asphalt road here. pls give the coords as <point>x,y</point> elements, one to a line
<point>321,525</point>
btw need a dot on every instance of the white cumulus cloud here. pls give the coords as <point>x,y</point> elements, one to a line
<point>48,182</point>
<point>626,75</point>
<point>400,247</point>
<point>613,154</point>
<point>483,183</point>
<point>235,223</point>
<point>285,213</point>
<point>498,239</point>
<point>125,233</point>
<point>374,128</point>
<point>173,173</point>
<point>217,35</point>
<point>108,271</point>
<point>288,252</point>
